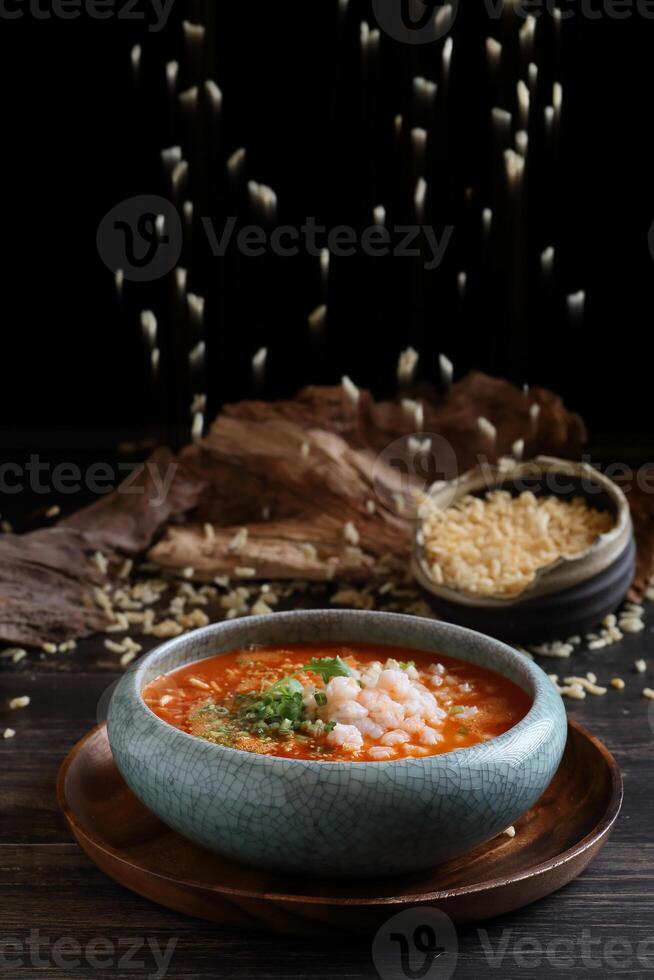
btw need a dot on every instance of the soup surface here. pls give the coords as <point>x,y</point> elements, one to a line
<point>334,703</point>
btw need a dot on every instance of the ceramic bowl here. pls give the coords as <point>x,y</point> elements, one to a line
<point>569,597</point>
<point>336,818</point>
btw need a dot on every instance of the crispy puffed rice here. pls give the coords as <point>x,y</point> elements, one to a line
<point>114,647</point>
<point>351,534</point>
<point>17,703</point>
<point>100,562</point>
<point>632,625</point>
<point>353,598</point>
<point>591,686</point>
<point>556,649</point>
<point>239,540</point>
<point>261,608</point>
<point>120,624</point>
<point>575,691</point>
<point>496,545</point>
<point>166,629</point>
<point>103,602</point>
<point>309,551</point>
<point>194,620</point>
<point>11,652</point>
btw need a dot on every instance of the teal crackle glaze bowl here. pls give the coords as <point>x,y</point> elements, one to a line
<point>337,818</point>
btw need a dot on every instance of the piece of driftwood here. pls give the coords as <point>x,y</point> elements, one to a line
<point>323,484</point>
<point>640,494</point>
<point>47,578</point>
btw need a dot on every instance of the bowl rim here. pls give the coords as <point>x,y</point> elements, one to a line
<point>543,689</point>
<point>548,578</point>
<point>596,836</point>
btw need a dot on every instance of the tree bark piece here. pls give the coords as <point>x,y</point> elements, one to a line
<point>298,473</point>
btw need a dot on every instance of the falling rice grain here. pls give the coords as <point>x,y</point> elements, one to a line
<point>17,703</point>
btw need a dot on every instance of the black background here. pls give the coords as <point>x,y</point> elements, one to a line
<point>78,138</point>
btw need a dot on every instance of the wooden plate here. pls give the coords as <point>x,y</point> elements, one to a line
<point>554,842</point>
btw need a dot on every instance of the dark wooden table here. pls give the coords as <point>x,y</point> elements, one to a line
<point>87,926</point>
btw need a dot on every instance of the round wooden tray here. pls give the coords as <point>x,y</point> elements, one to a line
<point>554,842</point>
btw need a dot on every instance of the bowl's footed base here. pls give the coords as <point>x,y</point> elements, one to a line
<point>554,842</point>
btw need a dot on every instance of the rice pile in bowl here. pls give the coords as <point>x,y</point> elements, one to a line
<point>496,545</point>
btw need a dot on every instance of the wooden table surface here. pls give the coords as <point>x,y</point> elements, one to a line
<point>50,893</point>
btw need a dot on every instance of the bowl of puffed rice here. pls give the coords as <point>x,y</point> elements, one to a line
<point>526,551</point>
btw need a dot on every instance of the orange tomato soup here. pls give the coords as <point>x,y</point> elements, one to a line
<point>335,702</point>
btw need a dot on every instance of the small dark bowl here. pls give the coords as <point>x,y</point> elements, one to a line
<point>567,599</point>
<point>576,610</point>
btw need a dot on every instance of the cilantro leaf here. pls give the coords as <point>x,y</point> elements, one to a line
<point>329,667</point>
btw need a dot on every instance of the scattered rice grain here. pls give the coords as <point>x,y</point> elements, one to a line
<point>17,703</point>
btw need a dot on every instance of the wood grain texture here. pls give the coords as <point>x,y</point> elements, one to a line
<point>554,842</point>
<point>46,882</point>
